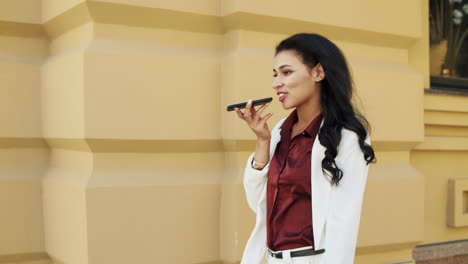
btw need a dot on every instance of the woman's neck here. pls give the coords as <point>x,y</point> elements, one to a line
<point>307,112</point>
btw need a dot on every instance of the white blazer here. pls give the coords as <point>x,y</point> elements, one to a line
<point>336,210</point>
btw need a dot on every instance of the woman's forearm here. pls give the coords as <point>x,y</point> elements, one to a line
<point>262,151</point>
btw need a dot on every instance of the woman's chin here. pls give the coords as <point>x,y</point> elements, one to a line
<point>286,105</point>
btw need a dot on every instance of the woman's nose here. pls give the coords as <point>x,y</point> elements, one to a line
<point>277,84</point>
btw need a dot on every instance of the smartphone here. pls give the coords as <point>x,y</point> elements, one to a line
<point>254,103</point>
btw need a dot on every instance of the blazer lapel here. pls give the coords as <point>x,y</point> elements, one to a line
<point>275,138</point>
<point>320,191</point>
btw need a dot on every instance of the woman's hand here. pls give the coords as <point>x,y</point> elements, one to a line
<point>255,121</point>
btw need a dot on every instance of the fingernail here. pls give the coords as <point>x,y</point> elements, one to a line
<point>250,100</point>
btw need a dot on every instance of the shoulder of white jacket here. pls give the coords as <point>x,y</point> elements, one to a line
<point>349,135</point>
<point>346,133</point>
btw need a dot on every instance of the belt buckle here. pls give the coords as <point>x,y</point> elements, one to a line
<point>278,255</point>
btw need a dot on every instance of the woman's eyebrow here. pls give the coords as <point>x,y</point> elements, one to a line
<point>282,66</point>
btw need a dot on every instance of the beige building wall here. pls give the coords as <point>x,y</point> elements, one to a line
<point>116,146</point>
<point>23,150</point>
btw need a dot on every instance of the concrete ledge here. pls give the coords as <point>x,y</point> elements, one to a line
<point>450,252</point>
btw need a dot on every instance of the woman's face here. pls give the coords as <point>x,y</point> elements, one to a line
<point>296,83</point>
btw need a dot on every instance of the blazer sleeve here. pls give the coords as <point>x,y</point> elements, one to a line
<point>255,180</point>
<point>342,223</point>
<point>254,183</point>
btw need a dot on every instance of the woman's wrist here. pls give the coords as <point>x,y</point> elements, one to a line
<point>261,156</point>
<point>258,165</point>
<point>262,144</point>
<point>262,150</point>
<point>263,140</point>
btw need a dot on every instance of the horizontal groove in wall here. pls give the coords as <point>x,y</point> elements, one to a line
<point>447,118</point>
<point>23,143</point>
<point>440,143</point>
<point>203,145</point>
<point>18,29</point>
<point>445,102</point>
<point>131,145</point>
<point>446,131</point>
<point>24,257</point>
<point>137,16</point>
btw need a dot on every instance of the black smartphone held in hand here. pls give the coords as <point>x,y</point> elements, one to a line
<point>254,103</point>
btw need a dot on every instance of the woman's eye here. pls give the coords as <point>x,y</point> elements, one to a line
<point>285,73</point>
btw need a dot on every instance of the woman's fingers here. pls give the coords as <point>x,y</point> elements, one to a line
<point>250,108</point>
<point>248,113</point>
<point>259,111</point>
<point>263,120</point>
<point>252,116</point>
<point>239,113</point>
<point>242,115</point>
<point>267,116</point>
<point>263,107</point>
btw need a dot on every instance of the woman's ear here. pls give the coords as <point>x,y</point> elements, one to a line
<point>318,72</point>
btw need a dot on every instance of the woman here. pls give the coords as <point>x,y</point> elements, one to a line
<point>306,179</point>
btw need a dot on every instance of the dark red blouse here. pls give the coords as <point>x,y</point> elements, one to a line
<point>289,210</point>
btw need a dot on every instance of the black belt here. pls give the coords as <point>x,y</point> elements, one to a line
<point>299,253</point>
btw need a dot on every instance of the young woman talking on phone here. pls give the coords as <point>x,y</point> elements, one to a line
<point>306,179</point>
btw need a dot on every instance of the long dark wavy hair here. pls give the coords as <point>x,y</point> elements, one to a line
<point>337,90</point>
